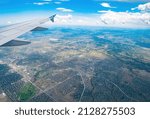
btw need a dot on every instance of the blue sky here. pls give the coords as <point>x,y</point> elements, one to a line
<point>79,6</point>
<point>68,9</point>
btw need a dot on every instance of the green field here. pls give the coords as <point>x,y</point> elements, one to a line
<point>26,92</point>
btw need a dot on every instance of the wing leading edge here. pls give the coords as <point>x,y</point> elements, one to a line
<point>10,33</point>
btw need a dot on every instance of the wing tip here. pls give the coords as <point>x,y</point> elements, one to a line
<point>52,17</point>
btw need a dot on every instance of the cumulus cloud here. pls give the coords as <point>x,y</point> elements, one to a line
<point>126,19</point>
<point>107,5</point>
<point>41,3</point>
<point>107,18</point>
<point>143,7</point>
<point>63,19</point>
<point>64,10</point>
<point>75,20</point>
<point>61,1</point>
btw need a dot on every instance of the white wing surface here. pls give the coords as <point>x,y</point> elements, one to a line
<point>8,34</point>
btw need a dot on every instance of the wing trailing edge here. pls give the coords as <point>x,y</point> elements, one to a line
<point>15,43</point>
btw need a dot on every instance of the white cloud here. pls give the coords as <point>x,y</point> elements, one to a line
<point>41,3</point>
<point>69,16</point>
<point>53,39</point>
<point>75,20</point>
<point>60,1</point>
<point>125,19</point>
<point>107,5</point>
<point>143,7</point>
<point>64,10</point>
<point>133,8</point>
<point>105,18</point>
<point>103,11</point>
<point>63,19</point>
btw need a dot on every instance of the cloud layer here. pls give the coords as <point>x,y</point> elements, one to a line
<point>104,16</point>
<point>110,18</point>
<point>125,18</point>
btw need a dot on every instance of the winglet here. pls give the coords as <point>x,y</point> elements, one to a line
<point>52,18</point>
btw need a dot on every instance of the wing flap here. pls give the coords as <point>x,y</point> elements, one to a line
<point>40,29</point>
<point>15,43</point>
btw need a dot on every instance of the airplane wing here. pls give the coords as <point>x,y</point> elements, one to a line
<point>9,34</point>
